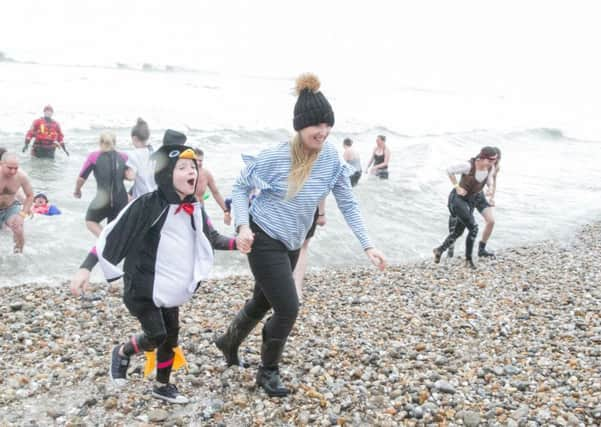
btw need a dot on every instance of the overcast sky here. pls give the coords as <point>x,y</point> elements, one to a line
<point>530,43</point>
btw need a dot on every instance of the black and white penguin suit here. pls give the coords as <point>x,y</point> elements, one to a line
<point>167,244</point>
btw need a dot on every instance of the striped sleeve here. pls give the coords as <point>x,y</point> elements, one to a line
<point>248,181</point>
<point>349,207</point>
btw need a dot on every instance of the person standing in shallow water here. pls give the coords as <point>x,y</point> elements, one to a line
<point>475,174</point>
<point>484,205</point>
<point>12,179</point>
<point>46,134</point>
<point>110,170</point>
<point>351,156</point>
<point>293,177</point>
<point>380,159</point>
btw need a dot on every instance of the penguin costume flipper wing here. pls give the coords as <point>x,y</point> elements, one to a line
<point>217,240</point>
<point>126,232</point>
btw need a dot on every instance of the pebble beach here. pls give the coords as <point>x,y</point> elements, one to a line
<point>515,343</point>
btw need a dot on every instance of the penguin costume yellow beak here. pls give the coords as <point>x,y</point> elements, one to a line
<point>188,154</point>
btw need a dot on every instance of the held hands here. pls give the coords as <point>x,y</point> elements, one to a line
<point>377,258</point>
<point>245,239</point>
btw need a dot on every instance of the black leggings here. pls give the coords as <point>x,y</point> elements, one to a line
<point>272,265</point>
<point>462,217</point>
<point>160,327</point>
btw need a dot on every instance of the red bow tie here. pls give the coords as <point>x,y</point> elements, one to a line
<point>187,207</point>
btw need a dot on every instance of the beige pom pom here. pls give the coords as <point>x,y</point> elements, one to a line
<point>307,81</point>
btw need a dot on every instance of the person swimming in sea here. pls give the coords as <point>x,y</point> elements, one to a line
<point>41,206</point>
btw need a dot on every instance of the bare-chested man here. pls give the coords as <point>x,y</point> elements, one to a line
<point>205,179</point>
<point>12,212</point>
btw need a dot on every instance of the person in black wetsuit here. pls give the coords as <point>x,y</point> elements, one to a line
<point>380,159</point>
<point>475,174</point>
<point>110,170</point>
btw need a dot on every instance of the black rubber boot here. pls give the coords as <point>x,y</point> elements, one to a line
<point>482,252</point>
<point>269,380</point>
<point>437,254</point>
<point>268,375</point>
<point>229,342</point>
<point>470,264</point>
<point>451,251</point>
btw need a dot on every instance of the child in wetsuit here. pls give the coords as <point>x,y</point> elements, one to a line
<point>167,242</point>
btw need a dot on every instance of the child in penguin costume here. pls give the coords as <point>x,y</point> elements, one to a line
<point>167,242</point>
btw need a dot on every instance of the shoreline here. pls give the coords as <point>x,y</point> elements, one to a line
<point>517,341</point>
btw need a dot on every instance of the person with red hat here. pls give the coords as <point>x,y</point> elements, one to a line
<point>46,134</point>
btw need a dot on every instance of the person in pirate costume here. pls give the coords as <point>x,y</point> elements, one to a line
<point>167,242</point>
<point>475,174</point>
<point>485,204</point>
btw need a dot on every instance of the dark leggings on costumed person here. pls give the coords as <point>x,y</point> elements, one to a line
<point>462,217</point>
<point>160,327</point>
<point>481,205</point>
<point>91,259</point>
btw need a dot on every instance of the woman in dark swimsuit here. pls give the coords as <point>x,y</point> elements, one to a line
<point>379,159</point>
<point>109,168</point>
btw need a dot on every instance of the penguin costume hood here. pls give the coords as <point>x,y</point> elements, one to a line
<point>166,241</point>
<point>165,159</point>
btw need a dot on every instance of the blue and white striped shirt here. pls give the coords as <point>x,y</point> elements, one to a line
<point>289,220</point>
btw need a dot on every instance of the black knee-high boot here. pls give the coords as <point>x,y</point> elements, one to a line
<point>482,252</point>
<point>268,375</point>
<point>469,248</point>
<point>238,330</point>
<point>449,241</point>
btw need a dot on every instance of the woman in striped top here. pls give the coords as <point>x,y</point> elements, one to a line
<point>292,178</point>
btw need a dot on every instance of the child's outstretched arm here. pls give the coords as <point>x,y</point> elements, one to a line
<point>217,241</point>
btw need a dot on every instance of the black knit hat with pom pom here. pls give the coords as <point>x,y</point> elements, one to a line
<point>312,107</point>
